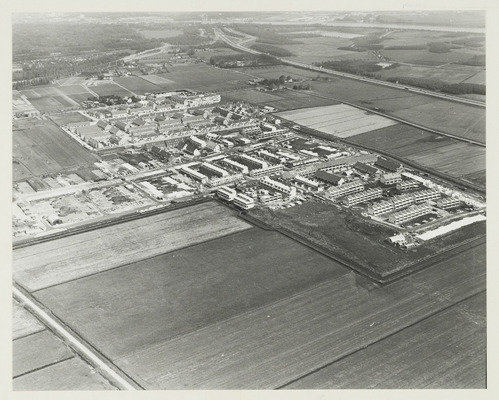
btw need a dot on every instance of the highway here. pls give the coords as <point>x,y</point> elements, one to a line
<point>239,46</point>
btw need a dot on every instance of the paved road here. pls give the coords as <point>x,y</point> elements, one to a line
<point>239,46</point>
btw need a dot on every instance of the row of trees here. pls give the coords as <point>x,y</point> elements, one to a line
<point>270,49</point>
<point>436,85</point>
<point>42,72</point>
<point>231,60</point>
<point>365,68</point>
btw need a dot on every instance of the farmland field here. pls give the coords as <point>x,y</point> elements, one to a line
<point>479,78</point>
<point>38,350</point>
<point>456,335</point>
<point>43,148</point>
<point>19,171</point>
<point>281,100</point>
<point>156,80</point>
<point>98,250</point>
<point>202,77</point>
<point>23,323</point>
<point>446,116</point>
<point>159,298</point>
<point>106,89</point>
<point>317,49</point>
<point>445,155</point>
<point>460,119</point>
<point>68,118</point>
<point>448,74</point>
<point>160,34</point>
<point>137,85</point>
<point>205,55</point>
<point>71,374</point>
<point>251,96</point>
<point>258,349</point>
<point>362,241</point>
<point>337,120</point>
<point>274,71</point>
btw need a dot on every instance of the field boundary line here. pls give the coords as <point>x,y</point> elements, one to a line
<point>144,259</point>
<point>395,118</point>
<point>292,296</point>
<point>416,266</point>
<point>90,226</point>
<point>455,180</point>
<point>123,87</point>
<point>31,333</point>
<point>432,314</point>
<point>78,344</point>
<point>44,366</point>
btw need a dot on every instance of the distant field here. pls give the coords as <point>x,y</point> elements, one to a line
<point>446,116</point>
<point>456,335</point>
<point>275,71</point>
<point>458,119</point>
<point>74,80</point>
<point>205,55</point>
<point>479,78</point>
<point>428,58</point>
<point>316,49</point>
<point>160,34</point>
<point>449,74</point>
<point>67,118</point>
<point>258,349</point>
<point>145,303</point>
<point>98,250</point>
<point>443,154</point>
<point>251,96</point>
<point>106,89</point>
<point>202,77</point>
<point>281,100</point>
<point>19,171</point>
<point>338,120</point>
<point>49,104</point>
<point>137,85</point>
<point>45,149</point>
<point>156,80</point>
<point>72,374</point>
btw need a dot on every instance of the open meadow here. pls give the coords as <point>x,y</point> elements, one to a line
<point>446,116</point>
<point>159,298</point>
<point>258,349</point>
<point>202,77</point>
<point>70,374</point>
<point>456,335</point>
<point>362,243</point>
<point>23,323</point>
<point>442,154</point>
<point>338,120</point>
<point>42,359</point>
<point>42,148</point>
<point>137,85</point>
<point>50,263</point>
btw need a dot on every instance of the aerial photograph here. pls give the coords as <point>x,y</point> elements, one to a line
<point>248,200</point>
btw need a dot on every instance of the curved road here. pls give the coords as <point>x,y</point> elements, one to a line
<point>413,89</point>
